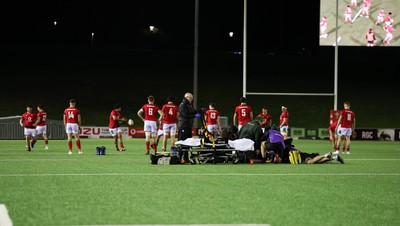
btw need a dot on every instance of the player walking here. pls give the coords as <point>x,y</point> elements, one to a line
<point>212,119</point>
<point>353,4</point>
<point>380,16</point>
<point>323,26</point>
<point>388,19</point>
<point>389,33</point>
<point>72,122</point>
<point>347,15</point>
<point>243,113</point>
<point>41,128</point>
<point>170,115</point>
<point>365,8</point>
<point>29,121</point>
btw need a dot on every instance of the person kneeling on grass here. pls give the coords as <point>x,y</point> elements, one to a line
<point>272,145</point>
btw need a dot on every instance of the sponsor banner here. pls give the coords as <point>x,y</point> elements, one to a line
<point>397,134</point>
<point>386,134</point>
<point>323,133</point>
<point>136,131</point>
<point>99,132</point>
<point>365,134</point>
<point>311,133</point>
<point>297,132</point>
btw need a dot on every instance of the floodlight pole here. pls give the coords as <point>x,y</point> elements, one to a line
<point>335,92</point>
<point>196,50</point>
<point>244,47</point>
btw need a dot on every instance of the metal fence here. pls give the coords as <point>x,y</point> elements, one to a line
<point>13,131</point>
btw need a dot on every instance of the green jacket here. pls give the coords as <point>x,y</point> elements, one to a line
<point>252,130</point>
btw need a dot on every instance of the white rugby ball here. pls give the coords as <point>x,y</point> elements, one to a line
<point>130,122</point>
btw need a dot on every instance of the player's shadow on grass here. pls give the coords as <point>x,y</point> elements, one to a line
<point>333,30</point>
<point>395,39</point>
<point>357,41</point>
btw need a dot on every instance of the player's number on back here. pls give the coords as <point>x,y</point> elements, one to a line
<point>348,117</point>
<point>170,111</point>
<point>212,115</point>
<point>71,114</point>
<point>150,111</point>
<point>243,112</point>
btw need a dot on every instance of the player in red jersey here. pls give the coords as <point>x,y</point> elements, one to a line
<point>284,122</point>
<point>72,122</point>
<point>323,26</point>
<point>353,4</point>
<point>345,127</point>
<point>41,128</point>
<point>243,113</point>
<point>389,33</point>
<point>267,117</point>
<point>333,137</point>
<point>29,121</point>
<point>388,19</point>
<point>150,111</point>
<point>332,134</point>
<point>212,119</point>
<point>365,8</point>
<point>380,16</point>
<point>114,126</point>
<point>170,115</point>
<point>347,15</point>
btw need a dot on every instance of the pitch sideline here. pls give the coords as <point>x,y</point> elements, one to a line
<point>198,174</point>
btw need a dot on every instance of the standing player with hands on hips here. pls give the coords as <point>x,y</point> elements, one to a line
<point>150,111</point>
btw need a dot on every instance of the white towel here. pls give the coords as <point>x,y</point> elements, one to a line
<point>243,144</point>
<point>192,142</point>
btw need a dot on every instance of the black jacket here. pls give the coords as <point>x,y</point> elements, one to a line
<point>186,114</point>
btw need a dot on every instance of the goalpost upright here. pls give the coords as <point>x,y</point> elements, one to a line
<point>334,94</point>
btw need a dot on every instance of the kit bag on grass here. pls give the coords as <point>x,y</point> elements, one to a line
<point>164,158</point>
<point>100,150</point>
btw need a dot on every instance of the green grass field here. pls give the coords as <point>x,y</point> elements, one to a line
<point>354,34</point>
<point>50,187</point>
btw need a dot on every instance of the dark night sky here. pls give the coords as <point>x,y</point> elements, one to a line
<point>123,23</point>
<point>125,53</point>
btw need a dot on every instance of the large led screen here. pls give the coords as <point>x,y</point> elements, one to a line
<point>369,23</point>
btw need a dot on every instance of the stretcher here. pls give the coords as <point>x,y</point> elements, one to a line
<point>201,152</point>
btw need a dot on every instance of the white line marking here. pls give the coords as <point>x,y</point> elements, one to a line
<point>5,220</point>
<point>184,225</point>
<point>33,160</point>
<point>355,17</point>
<point>196,174</point>
<point>337,41</point>
<point>373,159</point>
